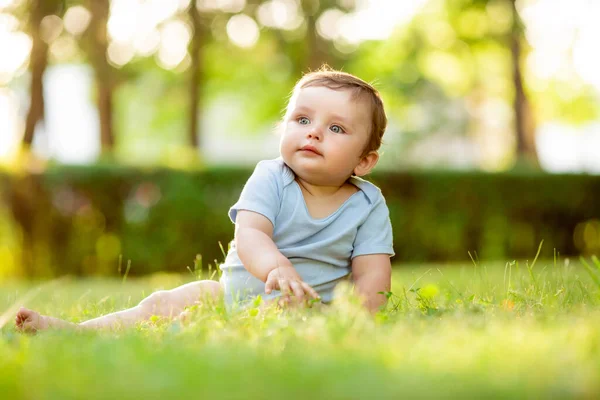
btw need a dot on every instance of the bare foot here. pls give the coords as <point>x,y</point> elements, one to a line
<point>30,321</point>
<point>184,317</point>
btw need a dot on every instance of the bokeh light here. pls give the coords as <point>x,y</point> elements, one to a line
<point>280,14</point>
<point>242,31</point>
<point>120,26</point>
<point>77,19</point>
<point>6,3</point>
<point>587,236</point>
<point>64,49</point>
<point>561,62</point>
<point>148,44</point>
<point>229,6</point>
<point>328,24</point>
<point>15,47</point>
<point>174,40</point>
<point>50,28</point>
<point>119,53</point>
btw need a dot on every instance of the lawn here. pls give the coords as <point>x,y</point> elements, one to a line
<point>450,331</point>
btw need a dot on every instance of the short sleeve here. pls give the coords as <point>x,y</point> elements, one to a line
<point>261,193</point>
<point>374,236</point>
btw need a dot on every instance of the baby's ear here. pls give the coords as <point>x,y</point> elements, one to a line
<point>366,163</point>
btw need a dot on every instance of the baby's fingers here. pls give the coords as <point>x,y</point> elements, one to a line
<point>308,289</point>
<point>298,290</point>
<point>284,287</point>
<point>270,285</point>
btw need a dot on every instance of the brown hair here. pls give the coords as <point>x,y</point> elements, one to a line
<point>337,80</point>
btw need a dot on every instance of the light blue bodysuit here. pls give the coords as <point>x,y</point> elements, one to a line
<point>321,250</point>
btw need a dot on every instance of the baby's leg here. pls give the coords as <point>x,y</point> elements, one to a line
<point>163,303</point>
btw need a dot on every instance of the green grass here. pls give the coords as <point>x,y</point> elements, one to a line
<point>463,331</point>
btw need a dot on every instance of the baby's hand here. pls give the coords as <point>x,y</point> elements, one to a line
<point>287,280</point>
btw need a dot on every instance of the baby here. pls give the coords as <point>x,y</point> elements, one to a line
<point>304,222</point>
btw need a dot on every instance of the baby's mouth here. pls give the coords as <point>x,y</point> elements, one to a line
<point>311,150</point>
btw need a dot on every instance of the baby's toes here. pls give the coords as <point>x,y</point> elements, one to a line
<point>29,327</point>
<point>184,317</point>
<point>20,318</point>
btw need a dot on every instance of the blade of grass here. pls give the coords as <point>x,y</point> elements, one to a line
<point>538,253</point>
<point>530,268</point>
<point>474,263</point>
<point>452,286</point>
<point>126,271</point>
<point>590,271</point>
<point>596,262</point>
<point>419,278</point>
<point>222,251</point>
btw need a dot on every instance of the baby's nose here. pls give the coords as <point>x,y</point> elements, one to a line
<point>314,133</point>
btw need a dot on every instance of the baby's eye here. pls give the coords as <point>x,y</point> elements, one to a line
<point>337,129</point>
<point>303,121</point>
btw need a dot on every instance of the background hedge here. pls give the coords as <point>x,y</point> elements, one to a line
<point>79,220</point>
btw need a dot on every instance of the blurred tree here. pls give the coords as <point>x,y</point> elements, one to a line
<point>38,10</point>
<point>286,49</point>
<point>104,72</point>
<point>318,51</point>
<point>195,48</point>
<point>454,59</point>
<point>523,116</point>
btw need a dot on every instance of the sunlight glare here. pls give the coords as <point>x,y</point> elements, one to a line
<point>6,3</point>
<point>545,63</point>
<point>586,57</point>
<point>72,125</point>
<point>121,28</point>
<point>568,148</point>
<point>184,4</point>
<point>552,23</point>
<point>8,22</point>
<point>160,10</point>
<point>377,19</point>
<point>15,46</point>
<point>242,31</point>
<point>564,39</point>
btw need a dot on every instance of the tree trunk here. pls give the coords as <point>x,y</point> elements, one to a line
<point>195,76</point>
<point>524,123</point>
<point>103,71</point>
<point>37,66</point>
<point>315,56</point>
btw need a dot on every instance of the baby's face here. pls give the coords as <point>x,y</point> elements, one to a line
<point>325,133</point>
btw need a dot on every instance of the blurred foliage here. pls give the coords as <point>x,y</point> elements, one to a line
<point>437,74</point>
<point>80,220</point>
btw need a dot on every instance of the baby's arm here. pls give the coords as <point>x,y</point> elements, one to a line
<point>255,246</point>
<point>372,273</point>
<point>262,258</point>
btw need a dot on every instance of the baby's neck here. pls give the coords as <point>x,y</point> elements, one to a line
<point>321,190</point>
